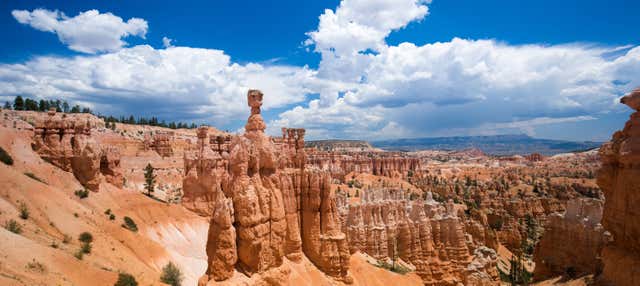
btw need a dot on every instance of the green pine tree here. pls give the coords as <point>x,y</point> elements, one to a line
<point>149,179</point>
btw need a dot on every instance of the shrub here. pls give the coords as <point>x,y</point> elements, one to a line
<point>130,224</point>
<point>85,248</point>
<point>497,224</point>
<point>13,226</point>
<point>24,210</point>
<point>66,239</point>
<point>54,244</point>
<point>36,266</point>
<point>79,254</point>
<point>81,193</point>
<point>171,275</point>
<point>397,268</point>
<point>85,237</point>
<point>33,176</point>
<point>112,217</point>
<point>5,157</point>
<point>107,212</point>
<point>126,279</point>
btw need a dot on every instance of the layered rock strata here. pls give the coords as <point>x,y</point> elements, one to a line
<point>619,179</point>
<point>389,164</point>
<point>68,144</point>
<point>387,225</point>
<point>264,205</point>
<point>572,241</point>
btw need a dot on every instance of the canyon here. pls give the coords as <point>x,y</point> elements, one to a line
<point>254,209</point>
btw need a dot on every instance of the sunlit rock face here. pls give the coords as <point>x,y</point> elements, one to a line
<point>572,241</point>
<point>339,164</point>
<point>68,144</point>
<point>263,204</point>
<point>619,179</point>
<point>430,236</point>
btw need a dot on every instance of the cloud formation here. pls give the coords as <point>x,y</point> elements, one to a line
<point>363,88</point>
<point>89,32</point>
<point>451,88</point>
<point>173,83</point>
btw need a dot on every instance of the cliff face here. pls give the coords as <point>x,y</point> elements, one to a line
<point>264,205</point>
<point>572,242</point>
<point>387,164</point>
<point>68,144</point>
<point>619,179</point>
<point>387,225</point>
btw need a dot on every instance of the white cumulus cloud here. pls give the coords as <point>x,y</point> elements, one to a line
<point>462,86</point>
<point>174,84</point>
<point>88,32</point>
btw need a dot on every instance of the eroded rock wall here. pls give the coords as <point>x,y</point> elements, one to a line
<point>68,144</point>
<point>572,241</point>
<point>263,203</point>
<point>619,179</point>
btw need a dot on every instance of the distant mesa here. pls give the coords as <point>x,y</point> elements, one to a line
<point>499,145</point>
<point>337,144</point>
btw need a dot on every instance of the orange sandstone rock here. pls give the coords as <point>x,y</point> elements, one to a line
<point>619,179</point>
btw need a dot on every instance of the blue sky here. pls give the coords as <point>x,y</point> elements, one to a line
<point>361,69</point>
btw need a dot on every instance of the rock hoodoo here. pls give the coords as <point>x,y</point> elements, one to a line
<point>572,242</point>
<point>263,203</point>
<point>619,179</point>
<point>387,225</point>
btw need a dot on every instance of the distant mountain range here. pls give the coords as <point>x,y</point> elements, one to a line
<point>493,145</point>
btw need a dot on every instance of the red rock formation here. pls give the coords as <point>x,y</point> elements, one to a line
<point>161,142</point>
<point>386,225</point>
<point>69,145</point>
<point>205,173</point>
<point>572,242</point>
<point>110,166</point>
<point>534,157</point>
<point>389,164</point>
<point>276,211</point>
<point>619,179</point>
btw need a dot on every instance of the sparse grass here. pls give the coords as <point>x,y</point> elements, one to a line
<point>5,157</point>
<point>81,193</point>
<point>130,224</point>
<point>171,275</point>
<point>24,210</point>
<point>393,267</point>
<point>126,279</point>
<point>36,266</point>
<point>13,226</point>
<point>33,176</point>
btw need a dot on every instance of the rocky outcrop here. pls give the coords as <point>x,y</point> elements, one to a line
<point>161,142</point>
<point>68,144</point>
<point>322,239</point>
<point>110,166</point>
<point>85,161</point>
<point>263,203</point>
<point>205,173</point>
<point>389,164</point>
<point>619,179</point>
<point>571,242</point>
<point>428,235</point>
